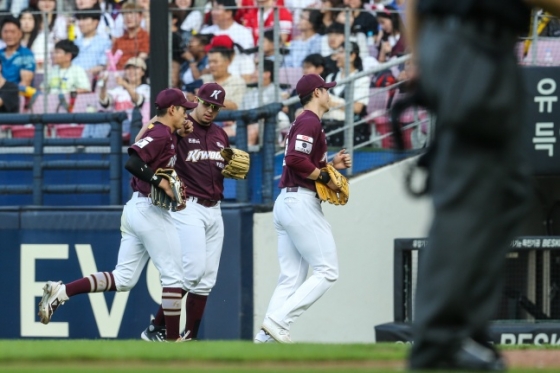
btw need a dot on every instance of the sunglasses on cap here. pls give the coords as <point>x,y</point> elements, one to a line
<point>214,108</point>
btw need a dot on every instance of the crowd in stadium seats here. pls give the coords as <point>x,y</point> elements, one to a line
<point>95,52</point>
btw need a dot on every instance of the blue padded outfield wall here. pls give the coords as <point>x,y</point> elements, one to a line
<point>363,161</point>
<point>40,244</point>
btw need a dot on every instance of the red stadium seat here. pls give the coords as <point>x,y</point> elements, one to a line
<point>383,127</point>
<point>22,131</point>
<point>69,130</point>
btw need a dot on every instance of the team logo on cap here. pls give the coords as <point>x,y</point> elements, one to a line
<point>215,94</point>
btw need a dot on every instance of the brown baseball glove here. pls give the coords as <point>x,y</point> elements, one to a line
<point>161,199</point>
<point>326,194</point>
<point>238,163</point>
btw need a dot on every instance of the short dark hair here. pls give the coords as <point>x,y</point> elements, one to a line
<point>225,52</point>
<point>268,66</point>
<point>306,99</point>
<point>230,4</point>
<point>10,19</point>
<point>93,13</point>
<point>163,112</point>
<point>335,28</point>
<point>315,19</point>
<point>68,46</point>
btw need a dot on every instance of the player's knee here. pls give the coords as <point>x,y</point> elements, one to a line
<point>122,282</point>
<point>330,274</point>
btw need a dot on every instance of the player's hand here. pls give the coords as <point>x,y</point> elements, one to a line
<point>187,129</point>
<point>333,186</point>
<point>164,184</point>
<point>342,160</point>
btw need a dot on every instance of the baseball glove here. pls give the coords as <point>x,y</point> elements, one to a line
<point>237,163</point>
<point>161,199</point>
<point>327,194</point>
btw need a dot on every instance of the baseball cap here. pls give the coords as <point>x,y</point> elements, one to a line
<point>136,61</point>
<point>173,97</point>
<point>222,41</point>
<point>212,93</point>
<point>308,83</point>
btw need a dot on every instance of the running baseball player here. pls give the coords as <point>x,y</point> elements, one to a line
<point>200,225</point>
<point>147,231</point>
<point>304,235</point>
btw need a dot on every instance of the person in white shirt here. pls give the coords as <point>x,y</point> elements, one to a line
<point>223,23</point>
<point>64,76</point>
<point>92,45</point>
<point>339,98</point>
<point>131,92</point>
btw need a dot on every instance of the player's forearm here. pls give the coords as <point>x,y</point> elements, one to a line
<point>412,24</point>
<point>551,6</point>
<point>137,167</point>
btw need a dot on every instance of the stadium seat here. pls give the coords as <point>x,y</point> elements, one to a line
<point>68,130</point>
<point>289,75</point>
<point>383,127</point>
<point>548,52</point>
<point>22,131</point>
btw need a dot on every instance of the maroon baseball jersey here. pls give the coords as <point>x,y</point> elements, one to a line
<point>200,164</point>
<point>158,149</point>
<point>306,149</point>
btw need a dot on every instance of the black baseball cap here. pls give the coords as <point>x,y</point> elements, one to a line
<point>310,82</point>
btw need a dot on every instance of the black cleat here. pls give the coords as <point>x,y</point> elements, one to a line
<point>154,333</point>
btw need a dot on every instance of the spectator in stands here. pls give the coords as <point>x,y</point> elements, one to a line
<point>65,76</point>
<point>329,13</point>
<point>189,20</point>
<point>336,116</point>
<point>107,26</point>
<point>251,101</point>
<point>364,21</point>
<point>18,62</point>
<point>132,91</point>
<point>223,23</point>
<point>196,58</point>
<point>391,42</point>
<point>315,64</point>
<point>269,50</point>
<point>252,19</point>
<point>145,5</point>
<point>241,64</point>
<point>309,41</point>
<point>91,44</point>
<point>9,95</point>
<point>331,42</point>
<point>13,6</point>
<point>219,60</point>
<point>57,23</point>
<point>135,41</point>
<point>30,21</point>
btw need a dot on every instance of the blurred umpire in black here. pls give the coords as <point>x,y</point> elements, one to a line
<point>468,76</point>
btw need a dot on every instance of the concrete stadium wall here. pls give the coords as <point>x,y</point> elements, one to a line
<point>379,210</point>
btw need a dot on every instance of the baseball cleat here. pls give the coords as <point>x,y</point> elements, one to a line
<point>263,337</point>
<point>276,331</point>
<point>154,333</point>
<point>54,295</point>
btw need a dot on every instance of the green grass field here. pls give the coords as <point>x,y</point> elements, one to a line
<point>139,356</point>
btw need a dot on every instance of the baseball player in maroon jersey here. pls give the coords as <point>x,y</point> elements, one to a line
<point>147,231</point>
<point>304,235</point>
<point>200,225</point>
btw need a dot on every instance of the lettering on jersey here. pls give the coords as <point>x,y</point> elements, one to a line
<point>304,144</point>
<point>220,164</point>
<point>172,160</point>
<point>203,155</point>
<point>194,141</point>
<point>325,157</point>
<point>304,138</point>
<point>220,145</point>
<point>143,142</point>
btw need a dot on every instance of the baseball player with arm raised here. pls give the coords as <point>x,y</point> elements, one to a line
<point>304,235</point>
<point>200,225</point>
<point>147,231</point>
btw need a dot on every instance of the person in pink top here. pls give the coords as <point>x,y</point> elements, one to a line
<point>304,235</point>
<point>148,231</point>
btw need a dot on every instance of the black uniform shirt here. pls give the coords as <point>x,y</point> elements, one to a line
<point>513,13</point>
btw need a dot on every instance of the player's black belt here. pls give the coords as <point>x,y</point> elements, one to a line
<point>204,202</point>
<point>292,189</point>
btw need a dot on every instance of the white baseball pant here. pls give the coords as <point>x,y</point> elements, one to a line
<point>147,232</point>
<point>201,232</point>
<point>304,239</point>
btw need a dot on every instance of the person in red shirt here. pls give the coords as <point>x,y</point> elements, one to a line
<point>251,19</point>
<point>135,41</point>
<point>148,231</point>
<point>304,234</point>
